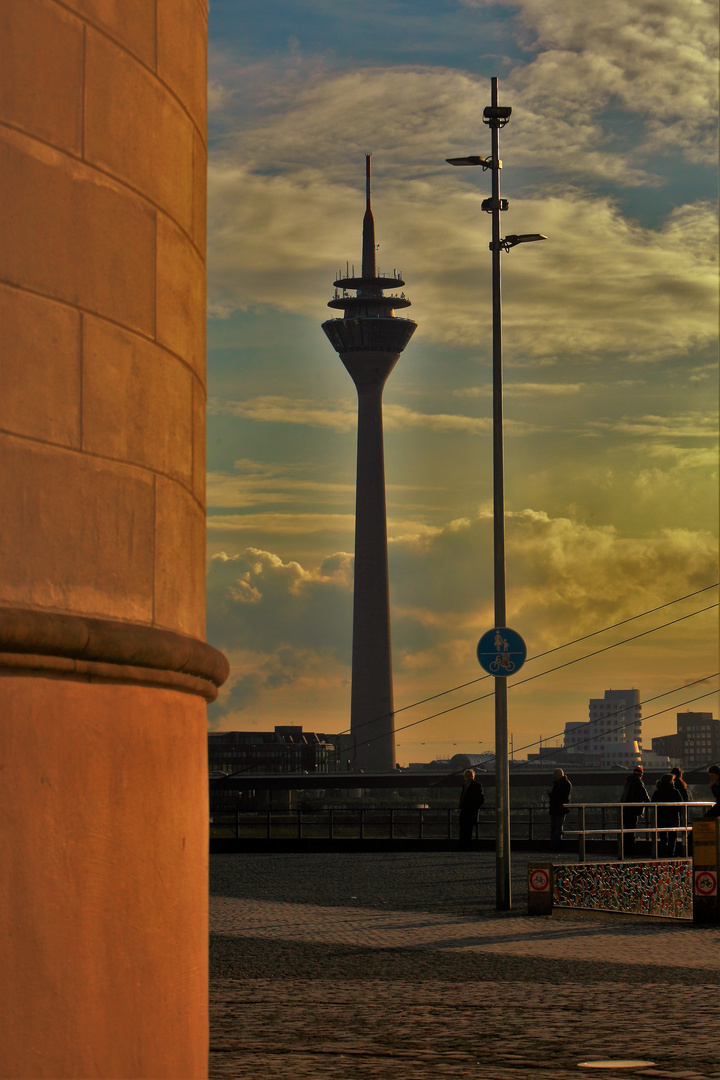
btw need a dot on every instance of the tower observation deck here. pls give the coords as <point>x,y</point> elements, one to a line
<point>369,338</point>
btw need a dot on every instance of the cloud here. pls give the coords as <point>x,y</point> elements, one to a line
<point>687,457</point>
<point>589,69</point>
<point>280,524</point>
<point>638,482</point>
<point>646,57</point>
<point>690,426</point>
<point>306,113</point>
<point>281,624</point>
<point>284,622</point>
<point>256,600</point>
<point>400,418</point>
<point>586,574</point>
<point>564,578</point>
<point>703,372</point>
<point>258,483</point>
<point>601,286</point>
<point>253,484</point>
<point>612,96</point>
<point>342,417</point>
<point>533,390</point>
<point>245,488</point>
<point>284,218</point>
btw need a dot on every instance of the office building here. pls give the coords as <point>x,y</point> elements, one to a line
<point>696,742</point>
<point>613,733</point>
<point>287,749</point>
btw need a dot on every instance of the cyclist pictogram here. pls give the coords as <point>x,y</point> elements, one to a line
<point>502,663</point>
<point>706,883</point>
<point>539,880</point>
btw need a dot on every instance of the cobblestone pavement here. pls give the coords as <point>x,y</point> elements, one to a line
<point>396,966</point>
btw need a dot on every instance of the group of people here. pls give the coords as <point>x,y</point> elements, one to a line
<point>669,789</point>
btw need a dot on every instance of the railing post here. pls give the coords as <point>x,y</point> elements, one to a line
<point>621,845</point>
<point>581,837</point>
<point>392,824</point>
<point>362,822</point>
<point>530,823</point>
<point>654,808</point>
<point>268,825</point>
<point>332,825</point>
<point>603,822</point>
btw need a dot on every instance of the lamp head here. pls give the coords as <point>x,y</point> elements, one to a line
<point>520,238</point>
<point>474,159</point>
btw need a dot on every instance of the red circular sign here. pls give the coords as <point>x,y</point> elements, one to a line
<point>539,880</point>
<point>705,883</point>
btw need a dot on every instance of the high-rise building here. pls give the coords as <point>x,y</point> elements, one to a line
<point>369,339</point>
<point>696,742</point>
<point>614,730</point>
<point>616,717</point>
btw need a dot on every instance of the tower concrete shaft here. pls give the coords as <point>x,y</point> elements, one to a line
<point>369,339</point>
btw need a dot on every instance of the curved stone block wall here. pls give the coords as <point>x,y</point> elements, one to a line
<point>104,673</point>
<point>102,287</point>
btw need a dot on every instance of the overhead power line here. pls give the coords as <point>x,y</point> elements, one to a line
<point>557,648</point>
<point>484,696</point>
<point>549,671</point>
<point>659,712</point>
<point>647,701</point>
<point>541,674</point>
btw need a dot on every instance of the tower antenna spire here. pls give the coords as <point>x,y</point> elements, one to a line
<point>369,269</point>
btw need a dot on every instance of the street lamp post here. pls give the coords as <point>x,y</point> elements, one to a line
<point>496,117</point>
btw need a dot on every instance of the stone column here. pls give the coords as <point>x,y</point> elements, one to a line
<point>104,673</point>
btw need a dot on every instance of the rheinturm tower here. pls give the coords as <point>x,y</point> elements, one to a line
<point>369,338</point>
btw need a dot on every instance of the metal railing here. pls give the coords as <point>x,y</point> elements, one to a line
<point>593,821</point>
<point>372,823</point>
<point>591,824</point>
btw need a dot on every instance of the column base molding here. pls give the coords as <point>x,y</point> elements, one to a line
<point>74,646</point>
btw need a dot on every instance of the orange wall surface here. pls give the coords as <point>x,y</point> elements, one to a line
<point>102,308</point>
<point>103,906</point>
<point>103,766</point>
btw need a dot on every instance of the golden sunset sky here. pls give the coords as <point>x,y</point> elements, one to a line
<point>610,354</point>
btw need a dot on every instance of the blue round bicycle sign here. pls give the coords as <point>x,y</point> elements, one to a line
<point>501,651</point>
